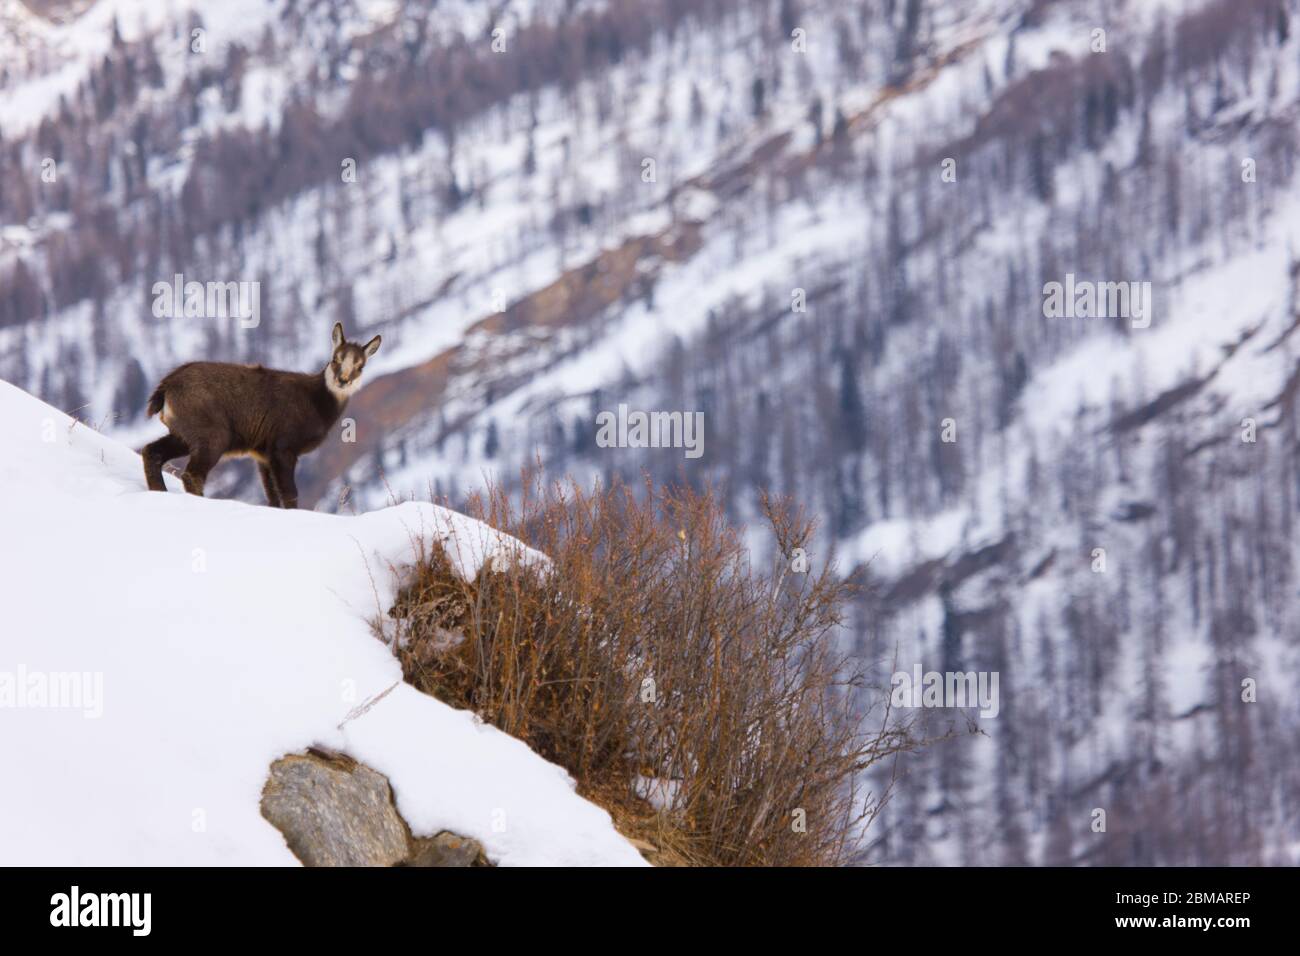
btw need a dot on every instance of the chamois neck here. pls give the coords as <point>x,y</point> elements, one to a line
<point>340,393</point>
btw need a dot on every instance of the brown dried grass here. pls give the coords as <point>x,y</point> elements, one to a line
<point>651,650</point>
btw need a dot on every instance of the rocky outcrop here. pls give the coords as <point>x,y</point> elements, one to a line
<point>334,811</point>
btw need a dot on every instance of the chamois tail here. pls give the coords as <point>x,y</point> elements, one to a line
<point>155,402</point>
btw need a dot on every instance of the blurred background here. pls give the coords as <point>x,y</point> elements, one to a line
<point>827,225</point>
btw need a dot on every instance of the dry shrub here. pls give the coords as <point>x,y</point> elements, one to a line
<point>700,700</point>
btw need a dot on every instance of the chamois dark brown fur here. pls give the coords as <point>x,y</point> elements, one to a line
<point>216,410</point>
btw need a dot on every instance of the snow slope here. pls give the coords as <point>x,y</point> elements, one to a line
<point>218,636</point>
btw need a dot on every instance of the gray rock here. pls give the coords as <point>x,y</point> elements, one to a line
<point>334,811</point>
<point>447,849</point>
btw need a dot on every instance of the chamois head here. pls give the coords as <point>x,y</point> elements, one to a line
<point>343,374</point>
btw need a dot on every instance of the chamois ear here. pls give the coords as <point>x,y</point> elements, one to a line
<point>337,335</point>
<point>373,346</point>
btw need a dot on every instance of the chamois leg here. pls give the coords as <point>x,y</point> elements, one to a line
<point>202,459</point>
<point>269,486</point>
<point>158,453</point>
<point>283,466</point>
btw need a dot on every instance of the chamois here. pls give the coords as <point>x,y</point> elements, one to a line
<point>216,410</point>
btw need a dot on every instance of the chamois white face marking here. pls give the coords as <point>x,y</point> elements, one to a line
<point>343,374</point>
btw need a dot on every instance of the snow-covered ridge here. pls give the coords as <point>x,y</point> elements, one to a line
<point>202,639</point>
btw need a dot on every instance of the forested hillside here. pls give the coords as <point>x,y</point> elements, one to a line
<point>831,228</point>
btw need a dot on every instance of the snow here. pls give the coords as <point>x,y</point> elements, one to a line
<point>893,545</point>
<point>222,636</point>
<point>1206,312</point>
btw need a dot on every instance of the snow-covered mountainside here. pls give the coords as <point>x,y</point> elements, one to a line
<point>160,651</point>
<point>830,227</point>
